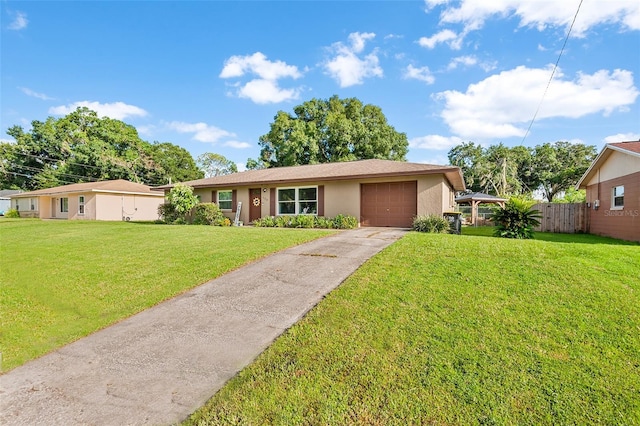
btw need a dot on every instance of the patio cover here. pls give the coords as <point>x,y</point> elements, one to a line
<point>476,198</point>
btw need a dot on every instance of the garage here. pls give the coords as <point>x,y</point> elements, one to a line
<point>388,203</point>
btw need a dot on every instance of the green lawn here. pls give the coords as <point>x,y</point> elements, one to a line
<point>471,329</point>
<point>62,280</point>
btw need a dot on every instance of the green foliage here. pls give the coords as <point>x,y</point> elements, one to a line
<point>82,147</point>
<point>209,214</point>
<point>182,198</point>
<point>500,170</point>
<point>516,220</point>
<point>572,195</point>
<point>12,213</point>
<point>167,213</point>
<point>307,221</point>
<point>215,164</point>
<point>431,223</point>
<point>323,131</point>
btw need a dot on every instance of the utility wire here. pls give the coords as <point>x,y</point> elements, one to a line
<point>566,39</point>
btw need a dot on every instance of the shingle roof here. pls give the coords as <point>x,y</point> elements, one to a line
<point>5,193</point>
<point>328,172</point>
<point>118,186</point>
<point>631,148</point>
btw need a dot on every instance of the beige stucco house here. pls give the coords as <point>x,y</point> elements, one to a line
<point>106,200</point>
<point>377,192</point>
<point>612,183</point>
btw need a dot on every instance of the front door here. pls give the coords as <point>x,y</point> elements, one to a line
<point>255,204</point>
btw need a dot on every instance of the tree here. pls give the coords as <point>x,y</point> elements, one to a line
<point>182,199</point>
<point>253,164</point>
<point>215,164</point>
<point>323,131</point>
<point>82,147</point>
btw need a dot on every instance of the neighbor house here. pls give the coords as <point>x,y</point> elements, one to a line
<point>106,200</point>
<point>5,200</point>
<point>377,192</point>
<point>612,183</point>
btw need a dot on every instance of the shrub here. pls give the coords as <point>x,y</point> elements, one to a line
<point>167,213</point>
<point>323,222</point>
<point>431,223</point>
<point>182,198</point>
<point>265,222</point>
<point>304,221</point>
<point>342,221</point>
<point>516,220</point>
<point>208,214</point>
<point>12,213</point>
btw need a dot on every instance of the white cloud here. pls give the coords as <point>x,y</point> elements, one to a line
<point>469,61</point>
<point>19,22</point>
<point>349,69</point>
<point>445,36</point>
<point>115,110</point>
<point>502,104</point>
<point>436,142</point>
<point>237,144</point>
<point>33,94</point>
<point>202,132</point>
<point>622,137</point>
<point>264,89</point>
<point>422,74</point>
<point>439,160</point>
<point>541,14</point>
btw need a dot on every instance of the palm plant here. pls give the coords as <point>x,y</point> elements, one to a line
<point>516,219</point>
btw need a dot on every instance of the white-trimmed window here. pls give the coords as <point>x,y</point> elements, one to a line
<point>225,200</point>
<point>298,200</point>
<point>617,197</point>
<point>64,205</point>
<point>81,204</point>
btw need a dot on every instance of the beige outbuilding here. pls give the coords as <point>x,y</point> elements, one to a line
<point>378,192</point>
<point>105,200</point>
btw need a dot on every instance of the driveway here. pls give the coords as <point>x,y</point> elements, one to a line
<point>160,365</point>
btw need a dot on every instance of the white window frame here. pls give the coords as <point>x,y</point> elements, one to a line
<point>296,201</point>
<point>230,200</point>
<point>81,201</point>
<point>64,205</point>
<point>617,192</point>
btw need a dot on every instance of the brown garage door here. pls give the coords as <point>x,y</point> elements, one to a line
<point>388,204</point>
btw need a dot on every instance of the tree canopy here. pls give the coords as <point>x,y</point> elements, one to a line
<point>333,130</point>
<point>82,147</point>
<point>499,170</point>
<point>215,164</point>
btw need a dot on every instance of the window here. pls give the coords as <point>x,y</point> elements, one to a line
<point>225,200</point>
<point>81,204</point>
<point>298,201</point>
<point>617,200</point>
<point>64,205</point>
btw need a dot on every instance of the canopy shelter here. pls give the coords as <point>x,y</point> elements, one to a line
<point>476,198</point>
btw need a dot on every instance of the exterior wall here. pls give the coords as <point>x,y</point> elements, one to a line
<point>27,207</point>
<point>617,223</point>
<point>615,166</point>
<point>5,204</point>
<point>119,206</point>
<point>435,196</point>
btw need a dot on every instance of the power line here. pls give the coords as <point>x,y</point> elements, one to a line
<point>566,39</point>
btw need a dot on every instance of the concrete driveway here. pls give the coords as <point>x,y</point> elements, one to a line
<point>159,366</point>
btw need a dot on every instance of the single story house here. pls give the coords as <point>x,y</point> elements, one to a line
<point>377,192</point>
<point>5,200</point>
<point>612,183</point>
<point>106,200</point>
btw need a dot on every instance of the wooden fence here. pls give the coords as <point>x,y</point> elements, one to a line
<point>568,218</point>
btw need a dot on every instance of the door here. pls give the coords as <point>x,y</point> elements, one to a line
<point>255,204</point>
<point>388,204</point>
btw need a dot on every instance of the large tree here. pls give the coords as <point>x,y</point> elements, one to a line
<point>500,170</point>
<point>82,147</point>
<point>323,131</point>
<point>215,164</point>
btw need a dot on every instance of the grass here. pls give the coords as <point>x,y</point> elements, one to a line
<point>62,280</point>
<point>471,329</point>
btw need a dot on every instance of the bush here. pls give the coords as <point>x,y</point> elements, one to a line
<point>322,222</point>
<point>167,213</point>
<point>209,214</point>
<point>182,199</point>
<point>342,221</point>
<point>265,222</point>
<point>12,213</point>
<point>431,223</point>
<point>516,220</point>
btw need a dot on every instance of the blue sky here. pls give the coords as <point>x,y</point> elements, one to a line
<point>211,75</point>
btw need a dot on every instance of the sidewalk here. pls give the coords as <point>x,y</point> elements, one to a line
<point>160,365</point>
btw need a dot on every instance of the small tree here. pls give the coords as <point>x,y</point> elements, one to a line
<point>516,220</point>
<point>181,200</point>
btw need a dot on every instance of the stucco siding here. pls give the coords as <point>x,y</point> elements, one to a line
<point>622,223</point>
<point>119,206</point>
<point>615,166</point>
